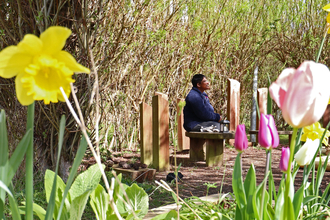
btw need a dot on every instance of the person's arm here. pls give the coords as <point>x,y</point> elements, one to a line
<point>202,111</point>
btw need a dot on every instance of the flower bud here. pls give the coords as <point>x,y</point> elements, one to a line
<point>241,142</point>
<point>306,153</point>
<point>268,135</point>
<point>285,157</point>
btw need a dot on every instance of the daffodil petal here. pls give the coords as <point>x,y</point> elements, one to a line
<point>30,44</point>
<point>54,39</point>
<point>327,8</point>
<point>22,94</point>
<point>70,62</point>
<point>13,61</point>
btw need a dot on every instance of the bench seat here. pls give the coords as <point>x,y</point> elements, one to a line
<point>215,142</point>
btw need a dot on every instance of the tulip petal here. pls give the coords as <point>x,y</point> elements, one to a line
<point>13,61</point>
<point>306,153</point>
<point>265,136</point>
<point>54,39</point>
<point>279,88</point>
<point>241,142</point>
<point>285,157</point>
<point>274,133</point>
<point>70,62</point>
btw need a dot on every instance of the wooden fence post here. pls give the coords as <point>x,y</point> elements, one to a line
<point>160,134</point>
<point>262,102</point>
<point>233,103</point>
<point>146,133</point>
<point>183,141</point>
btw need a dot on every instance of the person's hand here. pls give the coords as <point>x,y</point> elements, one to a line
<point>220,118</point>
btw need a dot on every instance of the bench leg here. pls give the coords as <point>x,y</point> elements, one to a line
<point>196,149</point>
<point>290,136</point>
<point>214,152</point>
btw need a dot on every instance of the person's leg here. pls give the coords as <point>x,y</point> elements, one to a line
<point>206,124</point>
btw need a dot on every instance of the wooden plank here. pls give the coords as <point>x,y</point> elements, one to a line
<point>146,133</point>
<point>160,134</point>
<point>233,103</point>
<point>197,149</point>
<point>183,141</point>
<point>214,152</point>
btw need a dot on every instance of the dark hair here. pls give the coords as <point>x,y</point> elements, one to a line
<point>198,78</point>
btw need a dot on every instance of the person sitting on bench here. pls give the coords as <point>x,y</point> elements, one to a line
<point>198,112</point>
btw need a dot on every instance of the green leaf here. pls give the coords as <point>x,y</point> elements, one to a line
<point>86,181</point>
<point>99,201</point>
<point>166,216</point>
<point>37,209</point>
<point>12,201</point>
<point>3,139</point>
<point>77,160</point>
<point>250,186</point>
<point>49,178</point>
<point>13,205</point>
<point>18,155</point>
<point>279,206</point>
<point>310,198</point>
<point>78,205</point>
<point>297,201</point>
<point>51,203</point>
<point>138,199</point>
<point>288,213</point>
<point>237,184</point>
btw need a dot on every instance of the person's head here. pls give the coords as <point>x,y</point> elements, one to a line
<point>199,81</point>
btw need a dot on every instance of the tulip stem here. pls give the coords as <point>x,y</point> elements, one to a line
<point>288,172</point>
<point>265,182</point>
<point>322,42</point>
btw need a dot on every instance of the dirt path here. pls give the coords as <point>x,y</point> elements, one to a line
<point>196,174</point>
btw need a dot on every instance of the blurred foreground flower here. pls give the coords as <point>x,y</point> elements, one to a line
<point>268,135</point>
<point>306,153</point>
<point>285,156</point>
<point>241,142</point>
<point>315,131</point>
<point>41,66</point>
<point>302,94</point>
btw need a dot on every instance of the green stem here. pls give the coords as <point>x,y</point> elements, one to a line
<point>288,172</point>
<point>29,165</point>
<point>265,183</point>
<point>321,46</point>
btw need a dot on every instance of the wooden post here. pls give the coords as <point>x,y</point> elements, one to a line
<point>262,102</point>
<point>146,133</point>
<point>160,134</point>
<point>233,103</point>
<point>183,141</point>
<point>214,152</point>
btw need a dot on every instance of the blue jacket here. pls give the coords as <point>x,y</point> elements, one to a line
<point>197,109</point>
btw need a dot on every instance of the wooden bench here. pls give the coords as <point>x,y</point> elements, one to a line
<point>214,146</point>
<point>289,133</point>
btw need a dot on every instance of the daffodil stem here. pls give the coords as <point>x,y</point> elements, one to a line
<point>288,172</point>
<point>29,165</point>
<point>322,42</point>
<point>265,183</point>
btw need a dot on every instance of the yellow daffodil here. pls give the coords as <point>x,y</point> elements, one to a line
<point>41,66</point>
<point>315,131</point>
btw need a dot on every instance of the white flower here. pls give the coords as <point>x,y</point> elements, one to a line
<point>306,153</point>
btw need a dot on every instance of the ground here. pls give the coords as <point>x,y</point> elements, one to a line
<point>195,175</point>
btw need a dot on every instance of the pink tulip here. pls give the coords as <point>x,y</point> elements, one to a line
<point>284,162</point>
<point>302,94</point>
<point>268,136</point>
<point>241,142</point>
